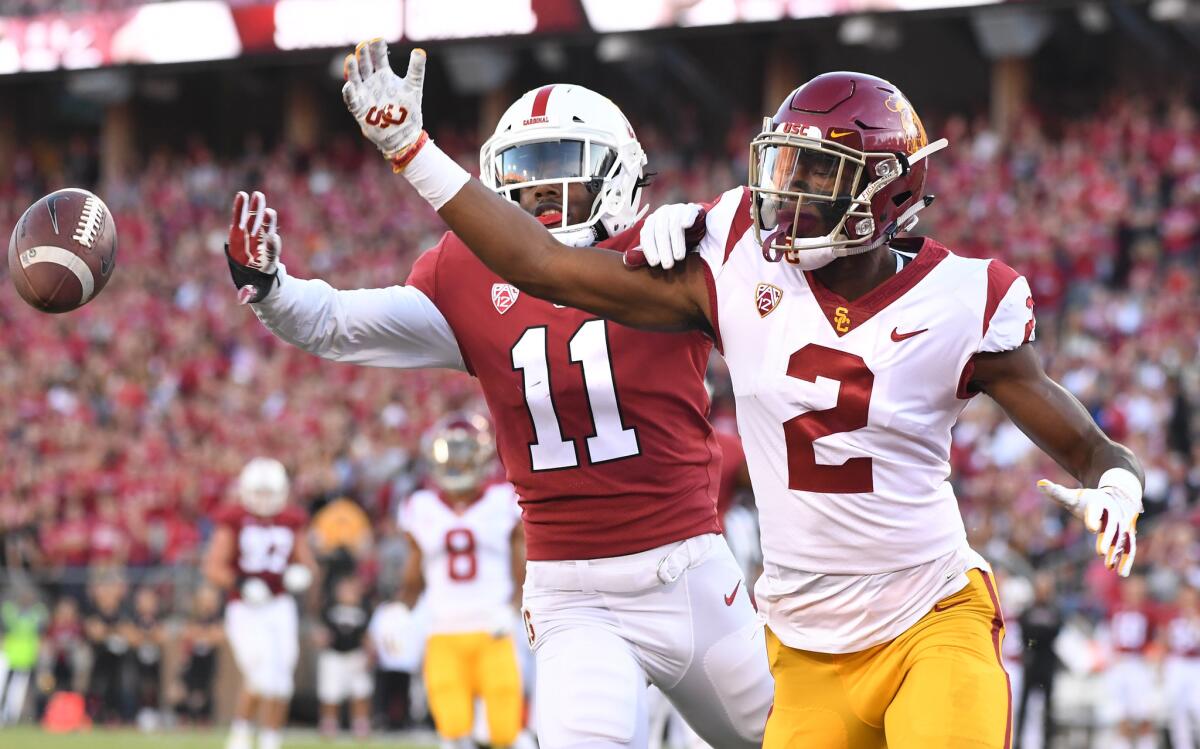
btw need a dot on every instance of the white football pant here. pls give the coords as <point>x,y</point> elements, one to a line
<point>1183,700</point>
<point>678,616</point>
<point>1129,685</point>
<point>265,643</point>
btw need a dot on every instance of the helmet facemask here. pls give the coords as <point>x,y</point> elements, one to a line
<point>560,162</point>
<point>812,195</point>
<point>460,455</point>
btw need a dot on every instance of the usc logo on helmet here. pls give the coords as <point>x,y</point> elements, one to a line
<point>914,131</point>
<point>841,320</point>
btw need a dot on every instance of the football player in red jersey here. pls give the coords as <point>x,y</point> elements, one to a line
<point>1182,671</point>
<point>850,361</point>
<point>259,555</point>
<point>1132,629</point>
<point>628,578</point>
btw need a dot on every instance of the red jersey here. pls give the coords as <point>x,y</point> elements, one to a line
<point>1131,629</point>
<point>601,428</point>
<point>1183,635</point>
<point>265,546</point>
<point>733,462</point>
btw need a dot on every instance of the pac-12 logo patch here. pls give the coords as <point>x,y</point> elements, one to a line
<point>766,298</point>
<point>504,296</point>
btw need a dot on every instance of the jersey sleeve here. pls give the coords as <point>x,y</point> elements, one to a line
<point>727,220</point>
<point>227,516</point>
<point>1008,320</point>
<point>397,326</point>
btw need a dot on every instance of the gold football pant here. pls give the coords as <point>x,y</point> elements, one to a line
<point>462,667</point>
<point>939,685</point>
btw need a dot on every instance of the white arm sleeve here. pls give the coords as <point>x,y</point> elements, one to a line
<point>397,326</point>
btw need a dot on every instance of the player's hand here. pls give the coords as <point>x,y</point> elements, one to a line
<point>253,247</point>
<point>503,622</point>
<point>387,107</point>
<point>1110,511</point>
<point>667,234</point>
<point>255,591</point>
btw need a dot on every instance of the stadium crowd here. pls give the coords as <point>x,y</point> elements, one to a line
<point>124,423</point>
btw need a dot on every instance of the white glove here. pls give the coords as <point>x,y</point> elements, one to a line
<point>255,591</point>
<point>297,578</point>
<point>662,238</point>
<point>503,622</point>
<point>387,107</point>
<point>1110,511</point>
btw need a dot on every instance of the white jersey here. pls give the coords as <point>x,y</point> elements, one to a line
<point>466,558</point>
<point>845,411</point>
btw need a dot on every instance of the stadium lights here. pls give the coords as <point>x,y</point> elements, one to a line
<point>1094,18</point>
<point>870,31</point>
<point>1168,10</point>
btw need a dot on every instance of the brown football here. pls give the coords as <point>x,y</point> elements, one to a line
<point>63,250</point>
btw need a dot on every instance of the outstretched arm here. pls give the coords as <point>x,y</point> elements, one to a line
<point>509,241</point>
<point>520,250</point>
<point>397,326</point>
<point>1110,498</point>
<point>1049,415</point>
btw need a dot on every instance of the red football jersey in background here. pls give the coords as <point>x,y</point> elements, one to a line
<point>263,546</point>
<point>602,429</point>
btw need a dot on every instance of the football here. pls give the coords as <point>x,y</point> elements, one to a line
<point>63,250</point>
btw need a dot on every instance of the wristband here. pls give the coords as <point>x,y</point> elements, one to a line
<point>1125,482</point>
<point>253,285</point>
<point>435,175</point>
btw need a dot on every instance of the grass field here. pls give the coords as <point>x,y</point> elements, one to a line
<point>32,738</point>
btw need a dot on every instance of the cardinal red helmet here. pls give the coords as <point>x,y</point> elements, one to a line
<point>841,166</point>
<point>460,449</point>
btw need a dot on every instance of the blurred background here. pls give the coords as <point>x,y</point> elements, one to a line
<point>1074,157</point>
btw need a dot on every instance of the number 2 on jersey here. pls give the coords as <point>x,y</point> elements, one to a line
<point>588,348</point>
<point>850,412</point>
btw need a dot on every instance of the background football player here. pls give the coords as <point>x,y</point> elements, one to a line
<point>850,362</point>
<point>259,555</point>
<point>1130,676</point>
<point>1182,635</point>
<point>466,554</point>
<point>628,578</point>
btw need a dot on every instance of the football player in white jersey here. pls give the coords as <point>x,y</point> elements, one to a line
<point>466,555</point>
<point>259,556</point>
<point>852,351</point>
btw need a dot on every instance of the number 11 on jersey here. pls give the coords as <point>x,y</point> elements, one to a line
<point>589,349</point>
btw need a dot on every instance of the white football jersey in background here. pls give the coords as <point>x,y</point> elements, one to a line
<point>466,558</point>
<point>845,411</point>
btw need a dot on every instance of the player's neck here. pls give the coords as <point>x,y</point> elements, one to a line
<point>461,499</point>
<point>856,275</point>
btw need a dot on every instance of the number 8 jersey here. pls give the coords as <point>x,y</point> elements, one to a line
<point>845,410</point>
<point>466,557</point>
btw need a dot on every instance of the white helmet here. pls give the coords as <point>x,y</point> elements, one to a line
<point>263,487</point>
<point>564,133</point>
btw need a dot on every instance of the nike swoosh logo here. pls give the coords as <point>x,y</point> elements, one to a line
<point>53,211</point>
<point>106,262</point>
<point>897,336</point>
<point>939,608</point>
<point>842,134</point>
<point>729,598</point>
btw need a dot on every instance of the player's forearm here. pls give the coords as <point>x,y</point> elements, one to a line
<point>395,326</point>
<point>507,239</point>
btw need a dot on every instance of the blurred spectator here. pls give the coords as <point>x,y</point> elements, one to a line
<point>106,627</point>
<point>64,653</point>
<point>342,672</point>
<point>22,619</point>
<point>146,635</point>
<point>1039,626</point>
<point>395,642</point>
<point>203,634</point>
